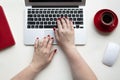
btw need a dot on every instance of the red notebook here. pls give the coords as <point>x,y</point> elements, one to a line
<point>6,38</point>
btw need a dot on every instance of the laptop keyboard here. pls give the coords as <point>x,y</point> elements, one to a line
<point>46,17</point>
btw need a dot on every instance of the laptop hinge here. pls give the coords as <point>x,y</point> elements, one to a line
<point>55,6</point>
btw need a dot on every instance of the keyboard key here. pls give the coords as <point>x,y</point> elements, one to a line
<point>29,15</point>
<point>48,12</point>
<point>44,12</point>
<point>37,23</point>
<point>42,15</point>
<point>54,15</point>
<point>36,12</point>
<point>41,23</point>
<point>51,19</point>
<point>32,26</point>
<point>50,15</point>
<point>49,23</point>
<point>69,15</point>
<point>53,23</point>
<point>31,22</point>
<point>36,26</point>
<point>28,26</point>
<point>75,12</point>
<point>34,15</point>
<point>49,26</point>
<point>79,23</point>
<point>38,15</point>
<point>80,19</point>
<point>81,27</point>
<point>40,26</point>
<point>73,15</point>
<point>52,12</point>
<point>81,15</point>
<point>47,19</point>
<point>45,23</point>
<point>80,11</point>
<point>30,19</point>
<point>77,26</point>
<point>77,15</point>
<point>40,12</point>
<point>46,15</point>
<point>43,19</point>
<point>58,15</point>
<point>35,19</point>
<point>33,12</point>
<point>29,12</point>
<point>39,19</point>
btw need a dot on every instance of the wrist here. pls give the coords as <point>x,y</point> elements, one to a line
<point>35,68</point>
<point>68,47</point>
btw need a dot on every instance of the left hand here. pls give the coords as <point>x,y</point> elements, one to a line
<point>42,53</point>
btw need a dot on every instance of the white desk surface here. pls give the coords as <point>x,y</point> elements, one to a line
<point>16,58</point>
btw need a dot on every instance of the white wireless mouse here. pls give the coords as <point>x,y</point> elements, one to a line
<point>111,54</point>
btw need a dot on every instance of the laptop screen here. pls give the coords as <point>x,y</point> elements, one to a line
<point>55,0</point>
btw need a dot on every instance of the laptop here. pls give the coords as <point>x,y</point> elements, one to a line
<point>41,16</point>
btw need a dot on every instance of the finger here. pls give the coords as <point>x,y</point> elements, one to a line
<point>52,54</point>
<point>71,25</point>
<point>45,41</point>
<point>56,33</point>
<point>40,43</point>
<point>59,24</point>
<point>36,44</point>
<point>49,46</point>
<point>64,25</point>
<point>68,22</point>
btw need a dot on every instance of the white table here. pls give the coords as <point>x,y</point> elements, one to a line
<point>16,58</point>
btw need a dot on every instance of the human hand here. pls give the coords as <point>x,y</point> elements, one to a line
<point>65,33</point>
<point>42,53</point>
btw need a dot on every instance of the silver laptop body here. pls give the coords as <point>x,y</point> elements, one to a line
<point>32,29</point>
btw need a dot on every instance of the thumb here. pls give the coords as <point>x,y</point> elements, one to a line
<point>52,54</point>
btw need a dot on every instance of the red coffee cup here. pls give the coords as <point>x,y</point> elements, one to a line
<point>105,20</point>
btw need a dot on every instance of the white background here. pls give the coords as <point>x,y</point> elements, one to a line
<point>16,58</point>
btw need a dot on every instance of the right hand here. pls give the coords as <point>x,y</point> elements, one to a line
<point>43,53</point>
<point>65,33</point>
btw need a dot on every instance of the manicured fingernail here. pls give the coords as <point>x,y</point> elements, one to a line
<point>48,35</point>
<point>54,28</point>
<point>55,50</point>
<point>66,17</point>
<point>37,38</point>
<point>58,18</point>
<point>52,38</point>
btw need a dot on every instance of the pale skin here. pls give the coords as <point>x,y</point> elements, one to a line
<point>43,54</point>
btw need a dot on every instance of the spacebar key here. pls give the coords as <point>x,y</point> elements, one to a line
<point>50,26</point>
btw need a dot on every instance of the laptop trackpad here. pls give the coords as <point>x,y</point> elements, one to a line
<point>51,33</point>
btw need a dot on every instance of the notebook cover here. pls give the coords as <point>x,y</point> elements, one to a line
<point>6,38</point>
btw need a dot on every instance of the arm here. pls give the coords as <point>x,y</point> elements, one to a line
<point>65,38</point>
<point>41,58</point>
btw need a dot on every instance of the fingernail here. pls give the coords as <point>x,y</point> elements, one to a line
<point>54,28</point>
<point>52,38</point>
<point>66,17</point>
<point>48,35</point>
<point>58,18</point>
<point>44,37</point>
<point>55,50</point>
<point>37,38</point>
